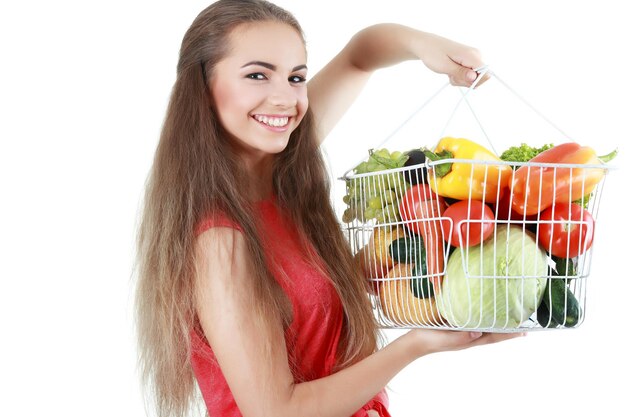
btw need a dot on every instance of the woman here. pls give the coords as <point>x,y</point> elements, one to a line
<point>246,283</point>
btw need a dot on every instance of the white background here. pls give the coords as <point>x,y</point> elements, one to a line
<point>83,91</point>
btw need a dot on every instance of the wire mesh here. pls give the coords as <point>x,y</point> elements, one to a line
<point>516,256</point>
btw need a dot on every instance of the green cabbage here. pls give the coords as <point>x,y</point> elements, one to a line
<point>498,284</point>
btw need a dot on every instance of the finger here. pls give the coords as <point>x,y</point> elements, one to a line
<point>468,57</point>
<point>463,77</point>
<point>466,77</point>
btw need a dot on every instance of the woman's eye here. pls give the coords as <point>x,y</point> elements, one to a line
<point>256,76</point>
<point>296,79</point>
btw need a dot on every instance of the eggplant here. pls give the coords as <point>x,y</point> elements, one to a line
<point>416,175</point>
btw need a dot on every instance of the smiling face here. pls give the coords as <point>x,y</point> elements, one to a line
<point>259,88</point>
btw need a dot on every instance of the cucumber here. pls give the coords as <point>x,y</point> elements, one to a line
<point>561,305</point>
<point>565,267</point>
<point>543,316</point>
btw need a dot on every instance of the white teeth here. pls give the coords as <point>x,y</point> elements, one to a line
<point>272,121</point>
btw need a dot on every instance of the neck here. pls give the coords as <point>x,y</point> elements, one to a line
<point>260,178</point>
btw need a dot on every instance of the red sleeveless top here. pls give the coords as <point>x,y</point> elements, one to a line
<point>312,336</point>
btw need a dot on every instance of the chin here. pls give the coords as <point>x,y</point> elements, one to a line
<point>278,146</point>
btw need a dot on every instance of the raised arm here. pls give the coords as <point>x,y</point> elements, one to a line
<point>266,388</point>
<point>336,86</point>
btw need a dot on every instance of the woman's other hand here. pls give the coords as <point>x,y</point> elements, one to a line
<point>431,341</point>
<point>453,59</point>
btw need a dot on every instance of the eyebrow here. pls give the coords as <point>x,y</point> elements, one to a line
<point>272,66</point>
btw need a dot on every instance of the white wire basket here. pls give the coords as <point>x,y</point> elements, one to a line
<point>512,254</point>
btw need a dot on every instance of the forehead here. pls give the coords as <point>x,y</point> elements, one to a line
<point>273,42</point>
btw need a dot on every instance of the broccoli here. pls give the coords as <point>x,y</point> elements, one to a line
<point>523,153</point>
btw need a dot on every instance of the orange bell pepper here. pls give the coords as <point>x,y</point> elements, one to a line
<point>535,188</point>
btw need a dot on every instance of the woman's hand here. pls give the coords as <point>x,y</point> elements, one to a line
<point>336,86</point>
<point>445,56</point>
<point>431,341</point>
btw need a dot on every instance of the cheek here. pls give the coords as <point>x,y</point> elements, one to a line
<point>224,98</point>
<point>228,93</point>
<point>303,104</point>
<point>220,101</point>
<point>231,106</point>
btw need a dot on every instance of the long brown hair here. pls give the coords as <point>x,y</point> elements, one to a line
<point>196,173</point>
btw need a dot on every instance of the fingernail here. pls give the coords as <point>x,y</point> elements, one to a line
<point>475,335</point>
<point>471,75</point>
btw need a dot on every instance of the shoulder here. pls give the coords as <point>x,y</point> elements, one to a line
<point>219,239</point>
<point>222,265</point>
<point>221,243</point>
<point>216,220</point>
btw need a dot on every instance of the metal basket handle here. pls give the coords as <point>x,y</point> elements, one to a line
<point>482,71</point>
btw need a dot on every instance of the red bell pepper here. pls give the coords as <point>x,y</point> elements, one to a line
<point>535,188</point>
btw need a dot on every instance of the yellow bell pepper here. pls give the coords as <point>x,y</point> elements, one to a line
<point>467,180</point>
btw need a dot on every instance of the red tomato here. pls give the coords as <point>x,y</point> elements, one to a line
<point>565,230</point>
<point>471,222</point>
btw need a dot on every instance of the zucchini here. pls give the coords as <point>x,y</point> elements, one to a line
<point>420,284</point>
<point>561,305</point>
<point>411,250</point>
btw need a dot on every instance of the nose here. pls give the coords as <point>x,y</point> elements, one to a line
<point>283,95</point>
